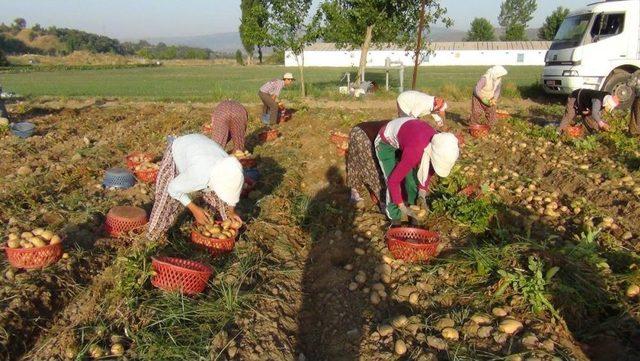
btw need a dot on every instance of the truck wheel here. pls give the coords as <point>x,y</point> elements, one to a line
<point>617,85</point>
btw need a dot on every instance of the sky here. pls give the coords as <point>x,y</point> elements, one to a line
<point>138,19</point>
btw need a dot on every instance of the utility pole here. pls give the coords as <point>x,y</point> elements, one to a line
<point>418,45</point>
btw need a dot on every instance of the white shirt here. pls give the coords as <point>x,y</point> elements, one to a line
<point>415,104</point>
<point>391,131</point>
<point>195,155</point>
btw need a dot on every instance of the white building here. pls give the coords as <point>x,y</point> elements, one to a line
<point>445,53</point>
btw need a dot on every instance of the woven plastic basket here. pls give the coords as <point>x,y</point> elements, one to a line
<point>248,162</point>
<point>131,164</point>
<point>338,138</point>
<point>247,187</point>
<point>461,140</point>
<point>23,129</point>
<point>176,274</point>
<point>33,258</point>
<point>269,135</point>
<point>284,115</point>
<point>576,131</point>
<point>412,244</point>
<point>147,176</point>
<point>471,191</point>
<point>118,178</point>
<point>123,219</point>
<point>207,128</point>
<point>502,114</point>
<point>252,173</point>
<point>479,130</point>
<point>215,246</point>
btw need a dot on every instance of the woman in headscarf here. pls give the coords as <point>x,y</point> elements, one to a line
<point>363,170</point>
<point>416,104</point>
<point>229,123</point>
<point>194,163</point>
<point>423,153</point>
<point>486,95</point>
<point>588,104</point>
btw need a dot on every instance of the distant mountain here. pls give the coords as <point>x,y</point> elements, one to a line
<point>444,34</point>
<point>223,42</point>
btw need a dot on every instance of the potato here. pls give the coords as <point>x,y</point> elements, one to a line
<point>37,231</point>
<point>46,235</point>
<point>117,349</point>
<point>226,224</point>
<point>13,237</point>
<point>206,234</point>
<point>236,224</point>
<point>26,235</point>
<point>26,245</point>
<point>55,239</point>
<point>13,243</point>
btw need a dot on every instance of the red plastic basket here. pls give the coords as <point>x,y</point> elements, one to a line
<point>479,130</point>
<point>284,115</point>
<point>123,219</point>
<point>207,128</point>
<point>576,131</point>
<point>343,151</point>
<point>249,185</point>
<point>147,176</point>
<point>32,258</point>
<point>338,138</point>
<point>131,164</point>
<point>248,162</point>
<point>502,114</point>
<point>471,191</point>
<point>412,244</point>
<point>215,246</point>
<point>269,135</point>
<point>176,274</point>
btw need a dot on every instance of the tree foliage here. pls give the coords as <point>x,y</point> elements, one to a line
<point>481,30</point>
<point>516,12</point>
<point>552,23</point>
<point>3,59</point>
<point>253,31</point>
<point>515,32</point>
<point>20,23</point>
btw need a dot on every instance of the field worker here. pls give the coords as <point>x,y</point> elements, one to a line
<point>363,169</point>
<point>195,163</point>
<point>269,94</point>
<point>589,104</point>
<point>634,121</point>
<point>423,153</point>
<point>486,95</point>
<point>416,104</point>
<point>229,123</point>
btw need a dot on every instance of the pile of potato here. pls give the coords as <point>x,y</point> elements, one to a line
<point>140,158</point>
<point>146,166</point>
<point>219,230</point>
<point>420,213</point>
<point>242,154</point>
<point>36,238</point>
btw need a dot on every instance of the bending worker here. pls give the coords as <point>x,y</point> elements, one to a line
<point>194,163</point>
<point>486,94</point>
<point>269,93</point>
<point>416,104</point>
<point>229,123</point>
<point>423,153</point>
<point>589,104</point>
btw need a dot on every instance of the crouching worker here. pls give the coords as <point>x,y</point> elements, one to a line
<point>229,123</point>
<point>363,170</point>
<point>269,93</point>
<point>589,104</point>
<point>3,109</point>
<point>423,153</point>
<point>195,163</point>
<point>416,104</point>
<point>486,94</point>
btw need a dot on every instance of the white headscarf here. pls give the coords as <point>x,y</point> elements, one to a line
<point>496,72</point>
<point>441,153</point>
<point>226,180</point>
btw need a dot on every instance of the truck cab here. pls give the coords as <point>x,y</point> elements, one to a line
<point>597,47</point>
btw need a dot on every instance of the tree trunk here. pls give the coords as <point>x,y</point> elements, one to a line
<point>249,59</point>
<point>300,61</point>
<point>260,54</point>
<point>363,54</point>
<point>418,46</point>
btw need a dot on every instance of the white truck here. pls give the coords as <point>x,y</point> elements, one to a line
<point>597,47</point>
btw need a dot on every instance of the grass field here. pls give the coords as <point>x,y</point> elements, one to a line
<point>213,83</point>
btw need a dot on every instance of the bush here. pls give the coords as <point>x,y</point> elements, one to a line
<point>3,59</point>
<point>277,58</point>
<point>239,58</point>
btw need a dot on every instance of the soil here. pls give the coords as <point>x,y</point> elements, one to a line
<point>325,287</point>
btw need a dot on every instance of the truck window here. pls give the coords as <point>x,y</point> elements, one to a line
<point>607,25</point>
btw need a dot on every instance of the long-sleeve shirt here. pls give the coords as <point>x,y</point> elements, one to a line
<point>481,84</point>
<point>589,102</point>
<point>194,156</point>
<point>273,87</point>
<point>411,136</point>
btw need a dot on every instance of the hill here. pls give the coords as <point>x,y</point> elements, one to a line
<point>222,42</point>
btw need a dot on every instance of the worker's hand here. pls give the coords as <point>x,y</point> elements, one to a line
<point>201,216</point>
<point>408,211</point>
<point>234,216</point>
<point>604,126</point>
<point>493,102</point>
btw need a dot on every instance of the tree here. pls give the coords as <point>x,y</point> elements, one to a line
<point>361,23</point>
<point>481,30</point>
<point>289,27</point>
<point>514,12</point>
<point>239,59</point>
<point>515,32</point>
<point>20,23</point>
<point>552,23</point>
<point>253,32</point>
<point>3,59</point>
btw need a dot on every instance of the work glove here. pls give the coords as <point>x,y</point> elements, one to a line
<point>422,199</point>
<point>408,212</point>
